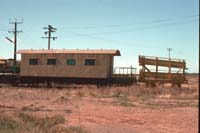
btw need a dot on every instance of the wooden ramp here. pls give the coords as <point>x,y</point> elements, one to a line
<point>157,75</point>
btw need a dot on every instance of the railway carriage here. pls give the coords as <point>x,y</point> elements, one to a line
<point>64,66</point>
<point>71,66</point>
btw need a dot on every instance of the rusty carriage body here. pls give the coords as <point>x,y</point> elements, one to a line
<point>165,70</point>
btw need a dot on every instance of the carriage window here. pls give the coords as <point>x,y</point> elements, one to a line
<point>51,61</point>
<point>89,62</point>
<point>71,62</point>
<point>33,61</point>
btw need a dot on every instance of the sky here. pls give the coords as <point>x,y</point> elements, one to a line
<point>135,27</point>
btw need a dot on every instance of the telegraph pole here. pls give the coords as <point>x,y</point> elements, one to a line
<point>169,50</point>
<point>50,30</point>
<point>15,31</point>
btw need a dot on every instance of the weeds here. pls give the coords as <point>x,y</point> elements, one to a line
<point>139,90</point>
<point>123,100</point>
<point>145,97</point>
<point>70,129</point>
<point>28,108</point>
<point>75,129</point>
<point>62,99</point>
<point>24,122</point>
<point>29,123</point>
<point>68,111</point>
<point>8,124</point>
<point>169,104</point>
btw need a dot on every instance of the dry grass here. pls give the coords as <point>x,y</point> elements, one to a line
<point>168,104</point>
<point>123,100</point>
<point>24,122</point>
<point>75,98</point>
<point>30,108</point>
<point>138,91</point>
<point>8,124</point>
<point>143,95</point>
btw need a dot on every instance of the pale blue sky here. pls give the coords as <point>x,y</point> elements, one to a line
<point>135,27</point>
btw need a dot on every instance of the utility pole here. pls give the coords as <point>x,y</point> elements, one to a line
<point>169,50</point>
<point>169,75</point>
<point>15,31</point>
<point>50,30</point>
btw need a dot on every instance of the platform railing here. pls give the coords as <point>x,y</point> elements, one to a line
<point>124,72</point>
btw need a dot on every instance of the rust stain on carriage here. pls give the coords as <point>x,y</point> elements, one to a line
<point>151,77</point>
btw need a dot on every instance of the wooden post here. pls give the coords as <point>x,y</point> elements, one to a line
<point>156,67</point>
<point>143,65</point>
<point>131,71</point>
<point>169,73</point>
<point>123,71</point>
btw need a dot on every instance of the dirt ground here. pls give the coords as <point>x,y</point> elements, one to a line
<point>133,109</point>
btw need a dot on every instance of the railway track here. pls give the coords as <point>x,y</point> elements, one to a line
<point>17,80</point>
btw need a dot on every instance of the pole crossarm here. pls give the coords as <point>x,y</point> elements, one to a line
<point>49,37</point>
<point>15,32</point>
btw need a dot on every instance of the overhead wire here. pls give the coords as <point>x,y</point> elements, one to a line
<point>160,20</point>
<point>144,28</point>
<point>157,23</point>
<point>94,35</point>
